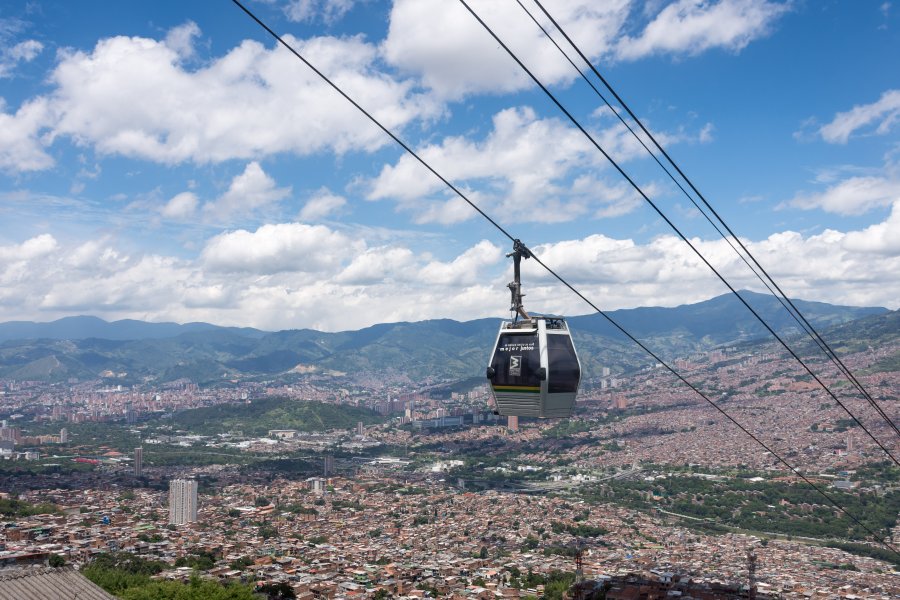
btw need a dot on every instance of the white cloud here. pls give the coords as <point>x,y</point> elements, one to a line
<point>36,247</point>
<point>609,200</point>
<point>181,39</point>
<point>129,288</point>
<point>17,275</point>
<point>511,171</point>
<point>181,206</point>
<point>21,148</point>
<point>444,45</point>
<point>96,256</point>
<point>321,205</point>
<point>286,275</point>
<point>452,211</point>
<point>137,97</point>
<point>25,51</point>
<point>885,112</point>
<point>880,238</point>
<point>380,265</point>
<point>294,247</point>
<point>855,268</point>
<point>690,27</point>
<point>132,96</point>
<point>454,56</point>
<point>299,11</point>
<point>249,192</point>
<point>464,269</point>
<point>307,10</point>
<point>297,275</point>
<point>852,196</point>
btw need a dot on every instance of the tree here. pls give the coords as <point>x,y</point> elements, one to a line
<point>267,531</point>
<point>241,563</point>
<point>277,591</point>
<point>57,561</point>
<point>531,543</point>
<point>127,562</point>
<point>261,501</point>
<point>202,561</point>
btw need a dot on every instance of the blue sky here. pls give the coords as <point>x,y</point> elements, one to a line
<point>167,161</point>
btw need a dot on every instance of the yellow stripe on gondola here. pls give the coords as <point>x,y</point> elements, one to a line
<point>517,388</point>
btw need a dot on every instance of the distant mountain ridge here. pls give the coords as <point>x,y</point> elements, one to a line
<point>132,351</point>
<point>83,327</point>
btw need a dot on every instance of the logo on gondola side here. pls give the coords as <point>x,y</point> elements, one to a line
<point>515,366</point>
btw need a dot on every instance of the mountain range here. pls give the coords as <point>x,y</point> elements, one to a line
<point>129,351</point>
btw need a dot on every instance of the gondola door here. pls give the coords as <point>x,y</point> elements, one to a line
<point>516,371</point>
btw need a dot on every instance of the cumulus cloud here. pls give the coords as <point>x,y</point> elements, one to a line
<point>143,98</point>
<point>127,289</point>
<point>133,96</point>
<point>690,27</point>
<point>609,200</point>
<point>464,269</point>
<point>35,247</point>
<point>285,275</point>
<point>379,265</point>
<point>517,144</point>
<point>308,10</point>
<point>250,191</point>
<point>880,238</point>
<point>21,148</point>
<point>443,44</point>
<point>299,275</point>
<point>322,204</point>
<point>277,248</point>
<point>884,114</point>
<point>96,256</point>
<point>854,195</point>
<point>181,39</point>
<point>512,171</point>
<point>855,267</point>
<point>181,206</point>
<point>10,57</point>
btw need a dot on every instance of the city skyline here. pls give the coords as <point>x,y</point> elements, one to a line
<point>630,480</point>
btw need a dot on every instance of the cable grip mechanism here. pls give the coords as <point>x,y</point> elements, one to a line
<point>519,252</point>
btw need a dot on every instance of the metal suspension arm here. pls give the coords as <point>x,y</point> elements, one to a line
<point>515,286</point>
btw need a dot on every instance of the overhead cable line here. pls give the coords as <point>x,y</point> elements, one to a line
<point>768,281</point>
<point>675,228</point>
<point>559,278</point>
<point>644,145</point>
<point>371,118</point>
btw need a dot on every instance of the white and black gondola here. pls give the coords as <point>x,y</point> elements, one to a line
<point>534,369</point>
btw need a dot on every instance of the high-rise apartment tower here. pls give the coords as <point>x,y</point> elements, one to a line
<point>182,501</point>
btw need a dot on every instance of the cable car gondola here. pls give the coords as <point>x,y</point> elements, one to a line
<point>534,370</point>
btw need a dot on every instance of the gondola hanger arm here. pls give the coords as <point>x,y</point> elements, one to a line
<point>519,252</point>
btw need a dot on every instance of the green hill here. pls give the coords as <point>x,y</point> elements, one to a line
<point>426,351</point>
<point>260,416</point>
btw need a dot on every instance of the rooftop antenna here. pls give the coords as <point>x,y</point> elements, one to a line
<point>578,586</point>
<point>579,562</point>
<point>751,572</point>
